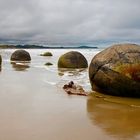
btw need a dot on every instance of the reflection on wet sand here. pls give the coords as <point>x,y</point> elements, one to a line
<point>20,66</point>
<point>119,120</point>
<point>70,71</point>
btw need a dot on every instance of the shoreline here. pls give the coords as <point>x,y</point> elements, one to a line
<point>44,47</point>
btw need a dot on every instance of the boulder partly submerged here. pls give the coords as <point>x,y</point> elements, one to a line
<point>116,71</point>
<point>46,54</point>
<point>20,55</point>
<point>72,59</point>
<point>48,64</point>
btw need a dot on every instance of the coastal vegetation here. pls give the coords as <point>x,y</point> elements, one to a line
<point>21,46</point>
<point>44,47</point>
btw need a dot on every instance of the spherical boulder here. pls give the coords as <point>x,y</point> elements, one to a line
<point>72,59</point>
<point>20,55</point>
<point>46,54</point>
<point>116,71</point>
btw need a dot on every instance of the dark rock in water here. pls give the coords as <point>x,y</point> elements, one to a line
<point>116,71</point>
<point>73,89</point>
<point>20,55</point>
<point>46,54</point>
<point>48,64</point>
<point>72,59</point>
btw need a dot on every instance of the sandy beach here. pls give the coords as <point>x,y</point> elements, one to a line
<point>34,106</point>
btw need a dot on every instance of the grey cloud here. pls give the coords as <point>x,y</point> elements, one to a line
<point>69,21</point>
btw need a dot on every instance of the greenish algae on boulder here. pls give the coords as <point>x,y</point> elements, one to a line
<point>20,55</point>
<point>46,54</point>
<point>116,70</point>
<point>72,59</point>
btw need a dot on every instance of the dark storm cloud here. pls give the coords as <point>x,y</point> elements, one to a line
<point>69,21</point>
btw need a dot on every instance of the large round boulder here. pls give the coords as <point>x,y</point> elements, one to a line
<point>20,55</point>
<point>72,59</point>
<point>116,70</point>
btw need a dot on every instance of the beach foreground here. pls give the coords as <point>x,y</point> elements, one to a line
<point>33,104</point>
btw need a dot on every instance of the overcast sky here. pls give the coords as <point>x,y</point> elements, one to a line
<point>69,21</point>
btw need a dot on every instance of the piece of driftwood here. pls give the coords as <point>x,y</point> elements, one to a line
<point>73,89</point>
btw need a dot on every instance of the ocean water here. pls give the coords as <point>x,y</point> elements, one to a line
<point>34,106</point>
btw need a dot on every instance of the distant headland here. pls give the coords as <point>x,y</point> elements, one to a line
<point>44,47</point>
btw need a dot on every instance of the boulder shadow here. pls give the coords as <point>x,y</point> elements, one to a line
<point>115,118</point>
<point>20,66</point>
<point>70,71</point>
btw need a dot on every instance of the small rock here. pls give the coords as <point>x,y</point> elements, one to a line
<point>48,64</point>
<point>73,89</point>
<point>46,54</point>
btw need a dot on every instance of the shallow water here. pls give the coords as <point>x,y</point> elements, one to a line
<point>33,105</point>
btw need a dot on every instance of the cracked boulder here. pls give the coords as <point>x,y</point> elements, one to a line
<point>116,71</point>
<point>72,59</point>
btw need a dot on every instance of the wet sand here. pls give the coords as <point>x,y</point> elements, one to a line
<point>34,106</point>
